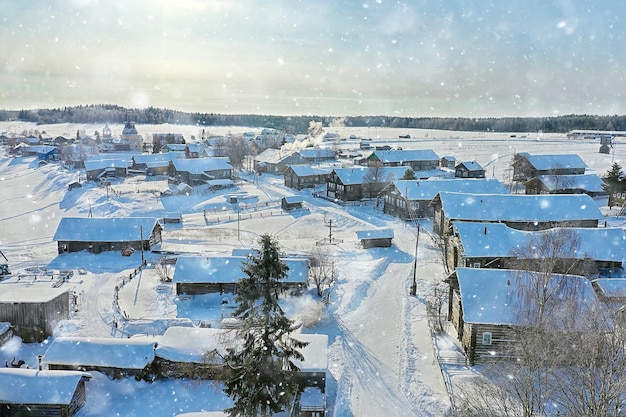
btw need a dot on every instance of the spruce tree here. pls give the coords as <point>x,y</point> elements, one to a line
<point>259,374</point>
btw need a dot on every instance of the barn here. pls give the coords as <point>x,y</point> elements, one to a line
<point>375,238</point>
<point>107,234</point>
<point>34,312</point>
<point>36,393</point>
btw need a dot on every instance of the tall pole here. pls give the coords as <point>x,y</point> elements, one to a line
<point>417,239</point>
<point>141,236</point>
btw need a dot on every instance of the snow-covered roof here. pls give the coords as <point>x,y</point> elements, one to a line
<point>42,149</point>
<point>428,189</point>
<point>116,229</point>
<point>175,147</point>
<point>201,165</point>
<point>93,164</point>
<point>586,182</point>
<point>135,353</point>
<point>357,175</point>
<point>519,208</point>
<point>500,296</point>
<point>612,287</point>
<point>374,234</point>
<point>405,155</point>
<point>220,182</point>
<point>293,199</point>
<point>481,240</point>
<point>308,170</point>
<point>317,153</point>
<point>24,294</point>
<point>545,162</point>
<point>189,344</point>
<point>471,166</point>
<point>315,353</point>
<point>146,158</point>
<point>273,156</point>
<point>30,386</point>
<point>227,269</point>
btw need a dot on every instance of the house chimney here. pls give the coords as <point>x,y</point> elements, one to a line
<point>39,362</point>
<point>485,230</point>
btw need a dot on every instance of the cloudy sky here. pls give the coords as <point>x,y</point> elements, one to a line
<point>466,58</point>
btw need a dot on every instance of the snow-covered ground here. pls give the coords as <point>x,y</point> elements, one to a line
<point>382,358</point>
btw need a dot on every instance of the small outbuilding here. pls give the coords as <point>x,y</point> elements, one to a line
<point>375,238</point>
<point>291,202</point>
<point>35,393</point>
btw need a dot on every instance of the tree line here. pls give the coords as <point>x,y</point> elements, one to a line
<point>110,113</point>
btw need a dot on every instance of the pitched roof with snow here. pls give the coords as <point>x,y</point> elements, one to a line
<point>200,165</point>
<point>586,182</point>
<point>317,153</point>
<point>482,240</point>
<point>519,208</point>
<point>471,166</point>
<point>315,353</point>
<point>116,229</point>
<point>135,353</point>
<point>375,234</point>
<point>612,287</point>
<point>428,189</point>
<point>22,294</point>
<point>500,296</point>
<point>189,344</point>
<point>545,162</point>
<point>405,155</point>
<point>92,164</point>
<point>273,156</point>
<point>357,175</point>
<point>146,158</point>
<point>227,269</point>
<point>308,170</point>
<point>30,386</point>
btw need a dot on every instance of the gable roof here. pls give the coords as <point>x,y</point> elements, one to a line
<point>612,287</point>
<point>471,166</point>
<point>404,155</point>
<point>499,296</point>
<point>276,156</point>
<point>482,240</point>
<point>356,175</point>
<point>117,229</point>
<point>92,164</point>
<point>427,189</point>
<point>190,344</point>
<point>519,208</point>
<point>545,162</point>
<point>227,269</point>
<point>586,182</point>
<point>31,386</point>
<point>386,233</point>
<point>317,153</point>
<point>201,165</point>
<point>307,170</point>
<point>134,353</point>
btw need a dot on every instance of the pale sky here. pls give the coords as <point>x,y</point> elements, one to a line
<point>464,58</point>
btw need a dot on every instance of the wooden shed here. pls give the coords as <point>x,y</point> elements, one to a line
<point>34,312</point>
<point>35,393</point>
<point>375,238</point>
<point>292,202</point>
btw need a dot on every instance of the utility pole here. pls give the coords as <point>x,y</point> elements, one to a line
<point>417,239</point>
<point>141,237</point>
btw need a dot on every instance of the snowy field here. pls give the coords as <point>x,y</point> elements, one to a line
<point>382,358</point>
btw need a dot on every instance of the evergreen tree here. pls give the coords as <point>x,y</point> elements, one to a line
<point>409,174</point>
<point>614,179</point>
<point>259,375</point>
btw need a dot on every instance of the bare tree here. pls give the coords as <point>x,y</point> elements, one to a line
<point>374,180</point>
<point>235,148</point>
<point>322,271</point>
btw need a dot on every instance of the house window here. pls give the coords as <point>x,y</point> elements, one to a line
<point>487,338</point>
<point>476,265</point>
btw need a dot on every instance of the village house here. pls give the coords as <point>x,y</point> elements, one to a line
<point>523,212</point>
<point>318,155</point>
<point>357,183</point>
<point>159,140</point>
<point>276,161</point>
<point>410,199</point>
<point>96,169</point>
<point>114,357</point>
<point>153,163</point>
<point>527,166</point>
<point>174,148</point>
<point>592,252</point>
<point>34,312</point>
<point>41,393</point>
<point>97,235</point>
<point>447,161</point>
<point>221,274</point>
<point>416,159</point>
<point>375,238</point>
<point>304,176</point>
<point>201,170</point>
<point>488,305</point>
<point>469,169</point>
<point>291,202</point>
<point>589,184</point>
<point>196,150</point>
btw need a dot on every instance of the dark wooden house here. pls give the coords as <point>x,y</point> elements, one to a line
<point>36,393</point>
<point>304,176</point>
<point>589,184</point>
<point>469,169</point>
<point>523,212</point>
<point>292,202</point>
<point>200,170</point>
<point>97,169</point>
<point>276,161</point>
<point>107,234</point>
<point>488,305</point>
<point>527,166</point>
<point>34,312</point>
<point>375,238</point>
<point>357,183</point>
<point>416,159</point>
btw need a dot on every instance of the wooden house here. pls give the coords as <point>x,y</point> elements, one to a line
<point>159,140</point>
<point>447,161</point>
<point>292,202</point>
<point>318,155</point>
<point>152,164</point>
<point>523,212</point>
<point>175,148</point>
<point>37,393</point>
<point>107,234</point>
<point>114,357</point>
<point>304,176</point>
<point>200,170</point>
<point>375,238</point>
<point>527,166</point>
<point>469,169</point>
<point>311,375</point>
<point>410,199</point>
<point>34,312</point>
<point>589,251</point>
<point>220,274</point>
<point>416,159</point>
<point>357,183</point>
<point>196,150</point>
<point>96,169</point>
<point>589,184</point>
<point>276,161</point>
<point>488,305</point>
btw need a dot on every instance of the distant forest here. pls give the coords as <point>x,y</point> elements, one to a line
<point>108,113</point>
